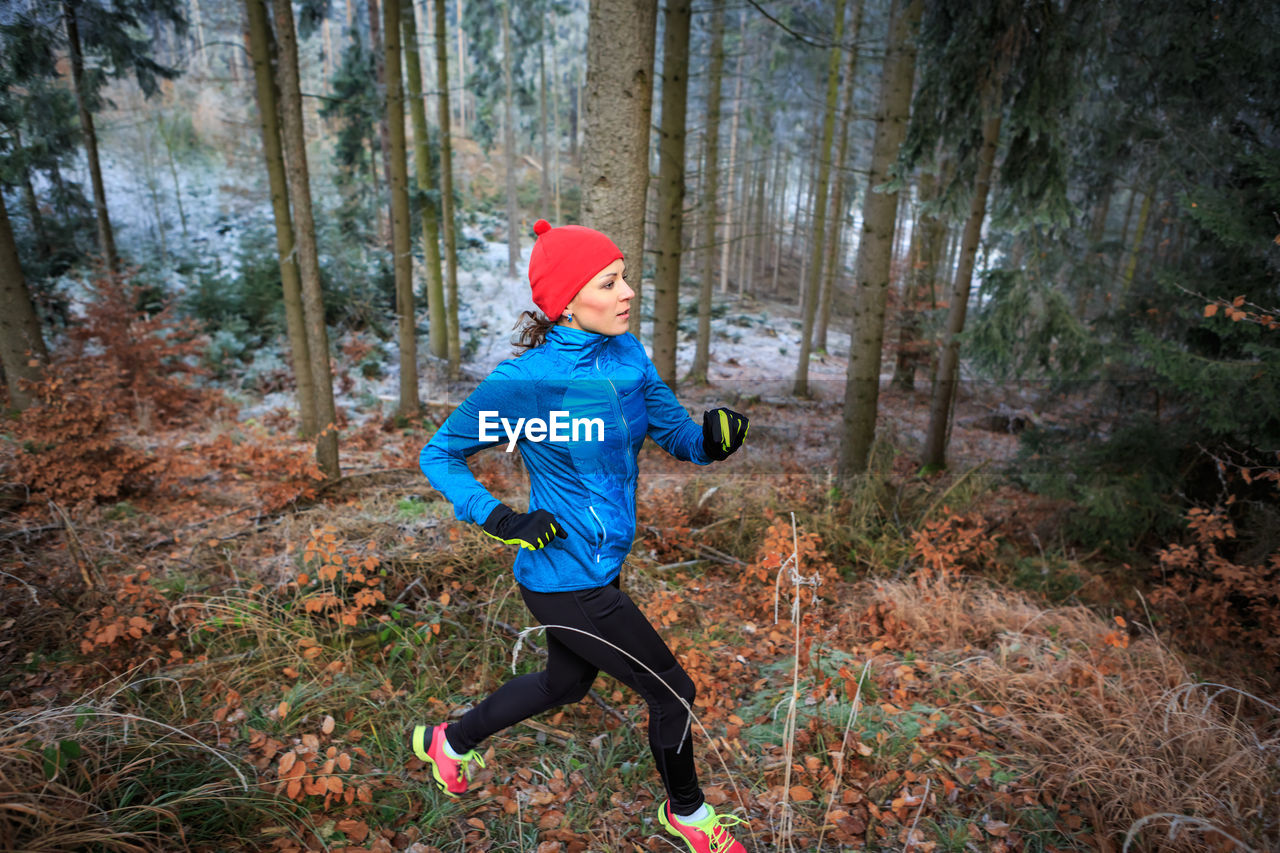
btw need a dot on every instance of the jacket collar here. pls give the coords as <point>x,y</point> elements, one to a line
<point>575,343</point>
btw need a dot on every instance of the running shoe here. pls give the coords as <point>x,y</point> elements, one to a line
<point>452,775</point>
<point>708,835</point>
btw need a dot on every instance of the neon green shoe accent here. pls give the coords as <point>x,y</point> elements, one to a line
<point>451,775</point>
<point>709,835</point>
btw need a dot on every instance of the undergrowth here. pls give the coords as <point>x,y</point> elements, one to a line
<point>865,677</point>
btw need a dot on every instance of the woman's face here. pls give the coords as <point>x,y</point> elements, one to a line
<point>603,305</point>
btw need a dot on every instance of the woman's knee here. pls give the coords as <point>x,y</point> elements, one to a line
<point>567,692</point>
<point>670,689</point>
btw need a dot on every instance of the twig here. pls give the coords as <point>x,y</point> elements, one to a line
<point>74,546</point>
<point>1175,823</point>
<point>839,769</point>
<point>31,589</point>
<point>924,799</point>
<point>30,531</point>
<point>680,565</point>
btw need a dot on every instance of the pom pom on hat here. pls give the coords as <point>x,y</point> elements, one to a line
<point>563,260</point>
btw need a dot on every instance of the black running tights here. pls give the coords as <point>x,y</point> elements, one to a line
<point>573,660</point>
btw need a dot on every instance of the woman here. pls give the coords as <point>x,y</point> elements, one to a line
<point>578,403</point>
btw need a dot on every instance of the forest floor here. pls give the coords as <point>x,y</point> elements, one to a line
<point>234,661</point>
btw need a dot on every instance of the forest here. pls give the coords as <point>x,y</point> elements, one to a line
<point>997,284</point>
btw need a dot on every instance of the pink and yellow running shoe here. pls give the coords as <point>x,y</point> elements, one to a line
<point>708,835</point>
<point>452,775</point>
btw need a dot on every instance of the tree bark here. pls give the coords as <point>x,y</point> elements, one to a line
<point>106,237</point>
<point>422,168</point>
<point>727,231</point>
<point>401,244</point>
<point>261,46</point>
<point>1140,230</point>
<point>811,283</point>
<point>921,275</point>
<point>842,180</point>
<point>617,111</point>
<point>707,235</point>
<point>875,248</point>
<point>509,144</point>
<point>544,176</point>
<point>670,220</point>
<point>446,192</point>
<point>21,340</point>
<point>384,133</point>
<point>299,180</point>
<point>944,390</point>
<point>462,74</point>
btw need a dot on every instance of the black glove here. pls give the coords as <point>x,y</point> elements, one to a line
<point>532,530</point>
<point>723,431</point>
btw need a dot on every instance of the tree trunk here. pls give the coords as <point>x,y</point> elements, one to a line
<point>422,168</point>
<point>1097,231</point>
<point>106,237</point>
<point>43,246</point>
<point>811,282</point>
<point>544,176</point>
<point>921,275</point>
<point>401,244</point>
<point>555,130</point>
<point>509,145</point>
<point>299,180</point>
<point>780,213</point>
<point>1140,231</point>
<point>709,213</point>
<point>617,113</point>
<point>727,231</point>
<point>944,389</point>
<point>21,341</point>
<point>446,193</point>
<point>836,227</point>
<point>462,74</point>
<point>670,220</point>
<point>755,239</point>
<point>197,32</point>
<point>261,47</point>
<point>875,248</point>
<point>384,132</point>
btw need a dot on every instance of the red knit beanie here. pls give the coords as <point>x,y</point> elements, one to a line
<point>563,260</point>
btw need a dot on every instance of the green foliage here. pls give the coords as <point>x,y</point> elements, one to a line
<point>242,298</point>
<point>1123,484</point>
<point>356,109</point>
<point>1024,327</point>
<point>998,57</point>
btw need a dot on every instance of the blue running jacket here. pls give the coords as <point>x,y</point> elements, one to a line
<point>596,398</point>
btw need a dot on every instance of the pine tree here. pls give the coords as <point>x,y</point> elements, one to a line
<point>875,249</point>
<point>670,216</point>
<point>261,44</point>
<point>618,105</point>
<point>108,33</point>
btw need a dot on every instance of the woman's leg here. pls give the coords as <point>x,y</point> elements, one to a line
<point>566,679</point>
<point>609,614</point>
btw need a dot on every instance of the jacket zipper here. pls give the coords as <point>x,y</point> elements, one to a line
<point>622,415</point>
<point>602,533</point>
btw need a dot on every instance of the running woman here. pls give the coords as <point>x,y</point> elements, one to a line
<point>581,398</point>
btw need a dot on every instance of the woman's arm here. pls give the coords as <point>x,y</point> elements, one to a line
<point>503,394</point>
<point>669,421</point>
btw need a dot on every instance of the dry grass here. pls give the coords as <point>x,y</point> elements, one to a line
<point>1153,758</point>
<point>97,775</point>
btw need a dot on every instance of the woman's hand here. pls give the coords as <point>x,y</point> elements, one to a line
<point>723,431</point>
<point>532,530</point>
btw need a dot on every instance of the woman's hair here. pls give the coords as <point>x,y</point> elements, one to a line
<point>533,330</point>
